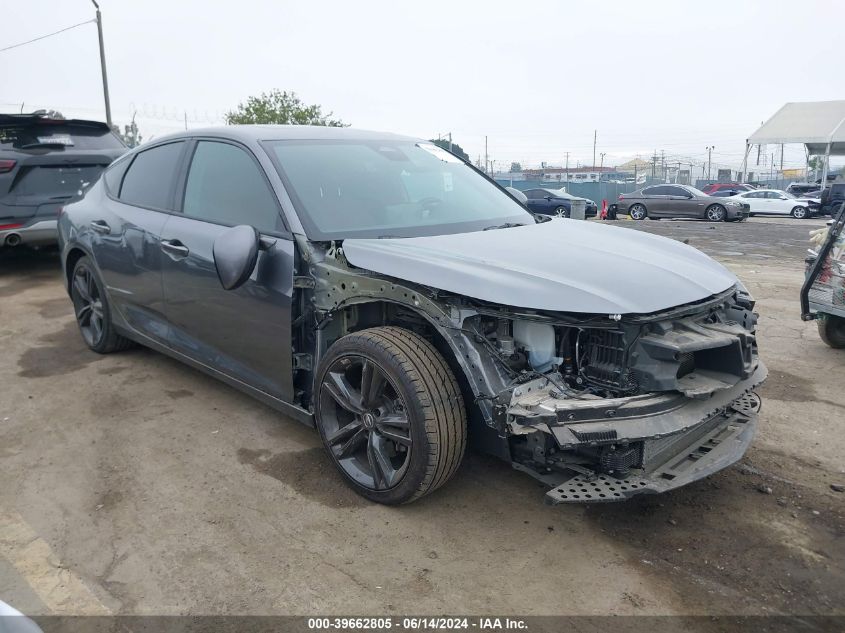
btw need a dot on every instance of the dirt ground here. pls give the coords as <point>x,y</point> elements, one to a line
<point>131,484</point>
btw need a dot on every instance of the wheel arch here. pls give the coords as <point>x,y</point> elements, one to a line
<point>363,313</point>
<point>73,255</point>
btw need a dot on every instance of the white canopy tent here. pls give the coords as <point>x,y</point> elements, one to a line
<point>818,125</point>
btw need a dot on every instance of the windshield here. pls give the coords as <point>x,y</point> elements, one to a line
<point>358,188</point>
<point>788,195</point>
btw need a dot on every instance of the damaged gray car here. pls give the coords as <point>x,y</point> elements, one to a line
<point>389,294</point>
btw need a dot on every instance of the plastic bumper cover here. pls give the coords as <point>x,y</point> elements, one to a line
<point>718,443</point>
<point>38,233</point>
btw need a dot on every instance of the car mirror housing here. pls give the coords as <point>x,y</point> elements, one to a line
<point>235,255</point>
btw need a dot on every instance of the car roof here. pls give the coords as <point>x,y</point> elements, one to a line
<point>254,133</point>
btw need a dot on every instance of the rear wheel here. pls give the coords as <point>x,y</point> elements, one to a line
<point>92,310</point>
<point>390,414</point>
<point>832,330</point>
<point>799,213</point>
<point>637,212</point>
<point>715,213</point>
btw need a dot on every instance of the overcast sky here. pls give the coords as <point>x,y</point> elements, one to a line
<point>535,77</point>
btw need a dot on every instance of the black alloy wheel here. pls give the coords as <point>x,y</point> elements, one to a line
<point>91,308</point>
<point>390,413</point>
<point>365,422</point>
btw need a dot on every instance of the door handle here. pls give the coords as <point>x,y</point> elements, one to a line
<point>100,226</point>
<point>174,248</point>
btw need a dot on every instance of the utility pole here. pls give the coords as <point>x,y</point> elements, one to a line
<point>601,164</point>
<point>653,163</point>
<point>567,167</point>
<point>663,164</point>
<point>103,63</point>
<point>678,174</point>
<point>595,136</point>
<point>709,149</point>
<point>485,154</point>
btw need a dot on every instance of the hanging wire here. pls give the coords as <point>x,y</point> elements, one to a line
<point>42,37</point>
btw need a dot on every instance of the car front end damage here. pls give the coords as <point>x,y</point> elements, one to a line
<point>620,406</point>
<point>599,407</point>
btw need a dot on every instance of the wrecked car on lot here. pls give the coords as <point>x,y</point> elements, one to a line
<point>379,288</point>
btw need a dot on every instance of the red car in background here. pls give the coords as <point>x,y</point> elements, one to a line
<point>719,186</point>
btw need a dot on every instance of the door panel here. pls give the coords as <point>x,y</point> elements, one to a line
<point>245,333</point>
<point>125,245</point>
<point>126,230</point>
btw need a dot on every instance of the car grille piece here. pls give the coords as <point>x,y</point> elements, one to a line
<point>605,360</point>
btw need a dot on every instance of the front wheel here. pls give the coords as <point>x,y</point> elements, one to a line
<point>832,330</point>
<point>562,212</point>
<point>715,213</point>
<point>799,213</point>
<point>390,414</point>
<point>637,212</point>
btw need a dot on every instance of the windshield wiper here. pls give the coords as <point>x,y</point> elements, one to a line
<point>506,225</point>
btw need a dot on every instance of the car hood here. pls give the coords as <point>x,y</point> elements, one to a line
<point>561,265</point>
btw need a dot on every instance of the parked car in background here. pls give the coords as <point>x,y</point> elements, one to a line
<point>45,163</point>
<point>726,193</point>
<point>556,202</point>
<point>679,201</point>
<point>801,189</point>
<point>831,198</point>
<point>721,186</point>
<point>775,202</point>
<point>380,289</point>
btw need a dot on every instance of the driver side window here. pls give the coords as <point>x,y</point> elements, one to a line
<point>226,186</point>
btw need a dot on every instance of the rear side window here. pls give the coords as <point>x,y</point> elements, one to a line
<point>57,136</point>
<point>226,186</point>
<point>149,180</point>
<point>114,176</point>
<point>656,191</point>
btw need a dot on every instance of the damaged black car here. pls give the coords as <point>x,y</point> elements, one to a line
<point>389,294</point>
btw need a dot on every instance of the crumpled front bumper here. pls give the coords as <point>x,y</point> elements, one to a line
<point>715,445</point>
<point>679,439</point>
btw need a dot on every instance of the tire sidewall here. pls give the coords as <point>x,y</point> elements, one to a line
<point>420,448</point>
<point>799,213</point>
<point>103,344</point>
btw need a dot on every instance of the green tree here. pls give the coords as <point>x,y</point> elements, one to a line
<point>280,107</point>
<point>130,135</point>
<point>456,149</point>
<point>516,167</point>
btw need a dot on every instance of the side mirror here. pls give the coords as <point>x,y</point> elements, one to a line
<point>516,193</point>
<point>235,255</point>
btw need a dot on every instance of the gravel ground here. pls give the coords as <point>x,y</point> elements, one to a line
<point>132,484</point>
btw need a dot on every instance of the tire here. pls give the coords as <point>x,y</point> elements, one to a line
<point>637,211</point>
<point>799,213</point>
<point>832,330</point>
<point>406,437</point>
<point>715,213</point>
<point>93,314</point>
<point>561,212</point>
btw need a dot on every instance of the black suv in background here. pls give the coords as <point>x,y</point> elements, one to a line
<point>46,162</point>
<point>832,197</point>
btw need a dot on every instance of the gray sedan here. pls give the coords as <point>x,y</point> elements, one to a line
<point>680,201</point>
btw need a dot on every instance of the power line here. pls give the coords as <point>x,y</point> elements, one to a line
<point>7,48</point>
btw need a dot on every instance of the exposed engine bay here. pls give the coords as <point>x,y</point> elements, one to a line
<point>597,406</point>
